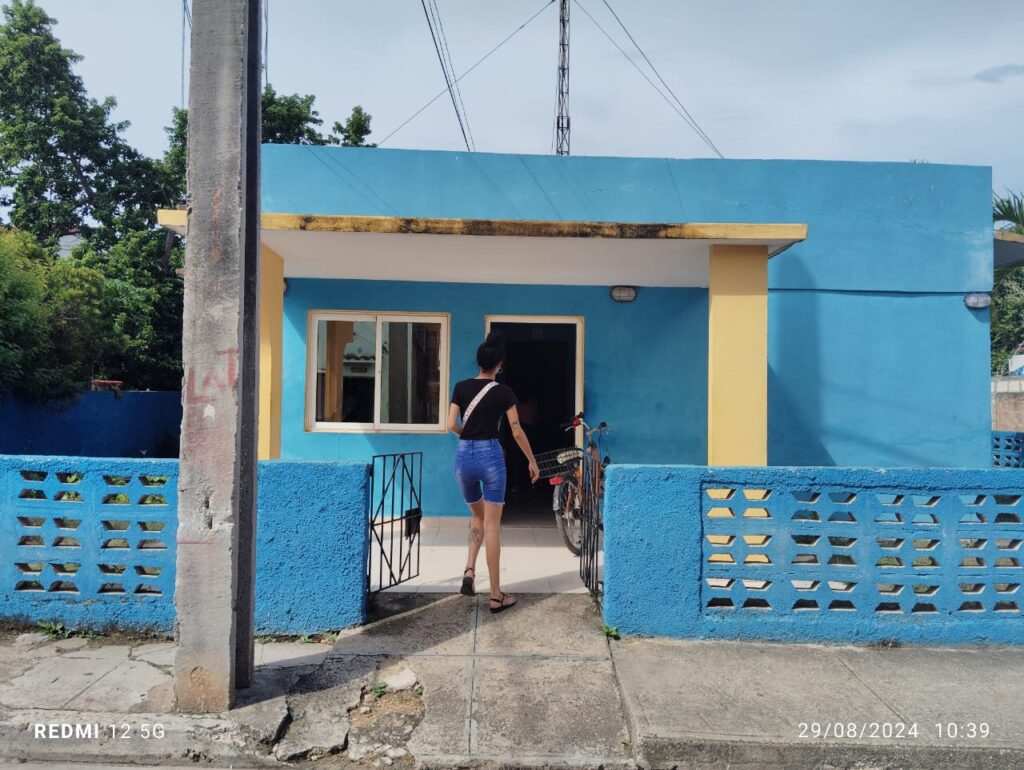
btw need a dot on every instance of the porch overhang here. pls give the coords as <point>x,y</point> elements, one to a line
<point>729,259</point>
<point>506,251</point>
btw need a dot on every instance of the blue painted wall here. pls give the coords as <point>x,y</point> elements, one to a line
<point>140,423</point>
<point>653,395</point>
<point>877,379</point>
<point>874,360</point>
<point>943,544</point>
<point>310,553</point>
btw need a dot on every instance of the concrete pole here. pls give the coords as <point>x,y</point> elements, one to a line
<point>217,482</point>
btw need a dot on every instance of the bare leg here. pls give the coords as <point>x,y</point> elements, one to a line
<point>476,534</point>
<point>492,536</point>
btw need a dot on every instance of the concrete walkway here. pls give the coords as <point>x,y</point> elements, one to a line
<point>533,559</point>
<point>438,681</point>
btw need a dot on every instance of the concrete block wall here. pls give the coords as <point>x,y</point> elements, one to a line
<point>927,556</point>
<point>90,542</point>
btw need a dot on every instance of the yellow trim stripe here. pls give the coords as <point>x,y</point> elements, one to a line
<point>520,228</point>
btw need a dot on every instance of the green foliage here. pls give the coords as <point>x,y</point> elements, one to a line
<point>59,324</point>
<point>1008,210</point>
<point>147,295</point>
<point>55,630</point>
<point>64,166</point>
<point>380,689</point>
<point>355,129</point>
<point>612,632</point>
<point>23,320</point>
<point>290,119</point>
<point>1007,310</point>
<point>111,310</point>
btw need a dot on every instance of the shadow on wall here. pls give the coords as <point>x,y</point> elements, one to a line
<point>99,424</point>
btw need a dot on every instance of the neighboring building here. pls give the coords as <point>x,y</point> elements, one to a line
<point>786,312</point>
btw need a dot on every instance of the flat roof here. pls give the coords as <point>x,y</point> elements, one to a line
<point>1009,249</point>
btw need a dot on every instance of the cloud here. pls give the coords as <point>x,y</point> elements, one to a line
<point>998,74</point>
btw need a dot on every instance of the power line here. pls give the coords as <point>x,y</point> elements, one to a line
<point>636,66</point>
<point>444,71</point>
<point>451,70</point>
<point>478,62</point>
<point>693,120</point>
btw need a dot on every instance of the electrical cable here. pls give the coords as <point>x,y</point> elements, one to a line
<point>643,74</point>
<point>451,70</point>
<point>696,126</point>
<point>444,70</point>
<point>478,62</point>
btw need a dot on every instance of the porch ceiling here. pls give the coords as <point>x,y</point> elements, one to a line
<point>506,251</point>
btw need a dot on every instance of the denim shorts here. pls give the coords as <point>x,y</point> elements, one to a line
<point>480,464</point>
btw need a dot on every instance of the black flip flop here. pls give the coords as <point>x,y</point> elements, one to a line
<point>501,603</point>
<point>467,582</point>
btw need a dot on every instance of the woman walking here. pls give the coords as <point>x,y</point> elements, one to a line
<point>481,402</point>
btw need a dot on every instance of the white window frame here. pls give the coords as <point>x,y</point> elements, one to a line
<point>379,318</point>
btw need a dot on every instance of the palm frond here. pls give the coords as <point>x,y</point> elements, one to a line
<point>1009,209</point>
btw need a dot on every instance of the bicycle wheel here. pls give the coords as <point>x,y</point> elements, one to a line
<point>567,517</point>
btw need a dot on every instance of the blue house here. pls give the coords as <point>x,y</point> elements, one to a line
<point>719,312</point>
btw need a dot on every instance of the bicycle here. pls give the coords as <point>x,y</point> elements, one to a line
<point>564,470</point>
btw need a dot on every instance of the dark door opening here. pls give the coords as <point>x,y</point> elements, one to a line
<point>540,366</point>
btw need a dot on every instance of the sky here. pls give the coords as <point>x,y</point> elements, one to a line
<point>939,81</point>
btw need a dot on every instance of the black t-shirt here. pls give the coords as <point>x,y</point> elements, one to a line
<point>485,422</point>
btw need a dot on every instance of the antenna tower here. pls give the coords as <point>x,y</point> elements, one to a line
<point>562,121</point>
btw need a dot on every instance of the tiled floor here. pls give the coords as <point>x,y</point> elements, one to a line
<point>533,560</point>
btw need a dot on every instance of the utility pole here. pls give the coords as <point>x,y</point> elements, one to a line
<point>214,582</point>
<point>562,122</point>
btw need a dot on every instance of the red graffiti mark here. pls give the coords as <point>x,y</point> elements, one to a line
<point>214,382</point>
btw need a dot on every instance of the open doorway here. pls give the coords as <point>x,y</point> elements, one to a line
<point>543,365</point>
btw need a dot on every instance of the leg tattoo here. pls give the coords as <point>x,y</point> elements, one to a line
<point>475,536</point>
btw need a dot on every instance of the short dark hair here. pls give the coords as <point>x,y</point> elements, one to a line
<point>491,352</point>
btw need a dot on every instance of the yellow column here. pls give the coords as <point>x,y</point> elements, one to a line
<point>738,356</point>
<point>271,326</point>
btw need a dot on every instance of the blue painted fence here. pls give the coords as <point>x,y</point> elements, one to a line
<point>136,423</point>
<point>90,542</point>
<point>829,554</point>
<point>1007,449</point>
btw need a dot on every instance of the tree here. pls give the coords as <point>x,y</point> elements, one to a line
<point>356,128</point>
<point>62,320</point>
<point>113,308</point>
<point>23,320</point>
<point>1007,313</point>
<point>64,166</point>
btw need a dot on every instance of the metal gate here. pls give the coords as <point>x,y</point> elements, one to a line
<point>592,525</point>
<point>396,482</point>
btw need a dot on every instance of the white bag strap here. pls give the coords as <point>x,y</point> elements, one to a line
<point>475,401</point>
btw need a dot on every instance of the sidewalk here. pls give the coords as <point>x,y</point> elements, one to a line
<point>439,682</point>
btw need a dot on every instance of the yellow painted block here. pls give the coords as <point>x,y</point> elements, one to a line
<point>271,329</point>
<point>738,356</point>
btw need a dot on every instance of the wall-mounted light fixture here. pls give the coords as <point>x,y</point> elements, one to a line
<point>977,300</point>
<point>623,293</point>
